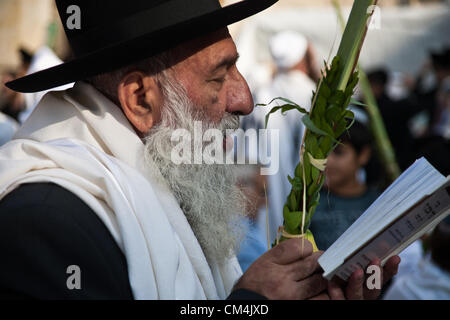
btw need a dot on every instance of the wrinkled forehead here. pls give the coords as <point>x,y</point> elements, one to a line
<point>208,40</point>
<point>206,47</point>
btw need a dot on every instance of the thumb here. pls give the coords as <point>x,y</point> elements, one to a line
<point>291,250</point>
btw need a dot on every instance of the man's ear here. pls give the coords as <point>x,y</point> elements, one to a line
<point>364,156</point>
<point>141,100</point>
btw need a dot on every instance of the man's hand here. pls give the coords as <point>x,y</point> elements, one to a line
<point>288,271</point>
<point>356,288</point>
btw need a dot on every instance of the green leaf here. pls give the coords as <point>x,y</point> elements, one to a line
<point>299,170</point>
<point>357,103</point>
<point>285,100</point>
<point>313,189</point>
<point>320,154</point>
<point>352,85</point>
<point>335,63</point>
<point>311,126</point>
<point>293,201</point>
<point>320,107</point>
<point>292,219</point>
<point>311,144</point>
<point>354,80</point>
<point>325,145</point>
<point>287,219</point>
<point>283,109</point>
<point>327,128</point>
<point>347,102</point>
<point>349,115</point>
<point>337,98</point>
<point>333,72</point>
<point>309,216</point>
<point>315,175</point>
<point>324,91</point>
<point>307,168</point>
<point>297,183</point>
<point>332,113</point>
<point>313,206</point>
<point>341,127</point>
<point>292,103</point>
<point>290,179</point>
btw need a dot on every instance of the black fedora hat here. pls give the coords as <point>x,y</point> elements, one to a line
<point>108,34</point>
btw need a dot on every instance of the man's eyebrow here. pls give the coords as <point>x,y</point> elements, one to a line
<point>227,61</point>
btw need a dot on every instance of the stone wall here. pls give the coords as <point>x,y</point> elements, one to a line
<point>25,23</point>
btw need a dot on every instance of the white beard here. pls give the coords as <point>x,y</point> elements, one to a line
<point>207,194</point>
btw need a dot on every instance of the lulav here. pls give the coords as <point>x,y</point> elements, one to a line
<point>327,120</point>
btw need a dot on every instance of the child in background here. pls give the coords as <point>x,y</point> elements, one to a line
<point>345,195</point>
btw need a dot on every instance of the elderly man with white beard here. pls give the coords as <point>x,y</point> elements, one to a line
<point>92,205</point>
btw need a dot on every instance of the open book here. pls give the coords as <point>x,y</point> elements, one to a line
<point>413,204</point>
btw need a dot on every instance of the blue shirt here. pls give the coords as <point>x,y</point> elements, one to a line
<point>335,214</point>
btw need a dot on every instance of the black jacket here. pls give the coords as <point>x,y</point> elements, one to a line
<point>44,229</point>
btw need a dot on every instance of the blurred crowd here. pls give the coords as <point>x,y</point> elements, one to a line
<point>15,107</point>
<point>416,114</point>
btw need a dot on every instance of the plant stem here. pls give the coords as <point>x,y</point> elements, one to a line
<point>349,49</point>
<point>352,40</point>
<point>385,151</point>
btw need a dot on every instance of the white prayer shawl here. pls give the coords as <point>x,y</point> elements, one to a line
<point>81,141</point>
<point>427,282</point>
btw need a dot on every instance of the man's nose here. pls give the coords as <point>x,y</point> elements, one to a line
<point>239,97</point>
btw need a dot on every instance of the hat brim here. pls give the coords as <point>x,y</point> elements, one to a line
<point>127,52</point>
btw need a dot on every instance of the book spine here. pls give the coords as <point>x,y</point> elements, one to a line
<point>397,236</point>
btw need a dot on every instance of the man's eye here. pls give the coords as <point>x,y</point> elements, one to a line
<point>219,80</point>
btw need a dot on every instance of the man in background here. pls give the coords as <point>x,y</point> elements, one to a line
<point>291,54</point>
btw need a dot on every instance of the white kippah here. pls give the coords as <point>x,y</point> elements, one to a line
<point>288,48</point>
